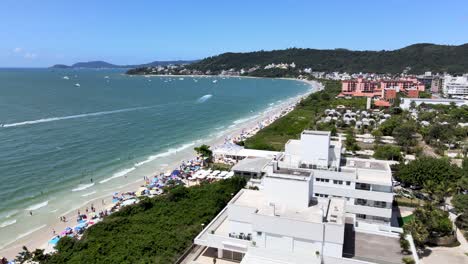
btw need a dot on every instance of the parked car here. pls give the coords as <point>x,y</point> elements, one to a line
<point>406,193</point>
<point>396,183</point>
<point>421,196</point>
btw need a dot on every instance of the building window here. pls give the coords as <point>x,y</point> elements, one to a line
<point>363,186</point>
<point>361,201</point>
<point>380,204</point>
<point>348,183</point>
<point>361,216</point>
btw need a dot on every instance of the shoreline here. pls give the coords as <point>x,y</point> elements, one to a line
<point>39,236</point>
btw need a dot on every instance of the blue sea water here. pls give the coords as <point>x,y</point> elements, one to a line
<point>55,136</point>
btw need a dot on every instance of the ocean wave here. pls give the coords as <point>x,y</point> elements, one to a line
<point>8,214</point>
<point>204,98</point>
<point>88,194</point>
<point>243,120</point>
<point>52,119</point>
<point>82,187</point>
<point>164,154</point>
<point>118,174</point>
<point>8,223</point>
<point>219,128</point>
<point>37,206</point>
<point>29,232</point>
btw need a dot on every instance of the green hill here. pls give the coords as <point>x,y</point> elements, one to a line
<point>420,57</point>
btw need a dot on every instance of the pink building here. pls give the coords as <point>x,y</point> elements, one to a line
<point>383,89</point>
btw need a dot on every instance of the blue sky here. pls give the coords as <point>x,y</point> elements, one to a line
<point>39,33</point>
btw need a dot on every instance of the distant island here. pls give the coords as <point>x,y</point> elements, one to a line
<point>103,64</point>
<point>413,59</point>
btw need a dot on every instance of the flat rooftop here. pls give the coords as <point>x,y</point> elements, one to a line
<point>372,171</point>
<point>251,164</point>
<point>293,172</point>
<point>313,213</point>
<point>371,248</point>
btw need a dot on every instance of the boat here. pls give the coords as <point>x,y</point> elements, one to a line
<point>66,78</point>
<point>215,81</point>
<point>106,77</point>
<point>181,79</point>
<point>77,85</point>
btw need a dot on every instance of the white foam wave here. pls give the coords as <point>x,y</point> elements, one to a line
<point>82,187</point>
<point>37,206</point>
<point>243,120</point>
<point>164,154</point>
<point>88,194</point>
<point>52,119</point>
<point>8,223</point>
<point>8,214</point>
<point>219,128</point>
<point>30,232</point>
<point>118,174</point>
<point>204,98</point>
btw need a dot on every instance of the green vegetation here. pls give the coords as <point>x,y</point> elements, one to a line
<point>156,230</point>
<point>387,152</point>
<point>421,58</point>
<point>350,142</point>
<point>419,171</point>
<point>304,116</point>
<point>205,152</point>
<point>428,222</point>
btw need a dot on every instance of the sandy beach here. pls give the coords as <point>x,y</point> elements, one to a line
<point>39,238</point>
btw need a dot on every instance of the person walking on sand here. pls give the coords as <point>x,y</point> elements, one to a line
<point>30,213</point>
<point>214,260</point>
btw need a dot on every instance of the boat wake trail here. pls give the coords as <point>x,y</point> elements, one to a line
<point>52,119</point>
<point>204,98</point>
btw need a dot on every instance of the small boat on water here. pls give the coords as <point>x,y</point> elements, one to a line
<point>181,79</point>
<point>106,77</point>
<point>77,85</point>
<point>66,78</point>
<point>215,81</point>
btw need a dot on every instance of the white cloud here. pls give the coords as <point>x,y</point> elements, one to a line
<point>17,50</point>
<point>29,55</point>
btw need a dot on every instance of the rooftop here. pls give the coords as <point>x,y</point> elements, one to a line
<point>371,171</point>
<point>251,164</point>
<point>258,200</point>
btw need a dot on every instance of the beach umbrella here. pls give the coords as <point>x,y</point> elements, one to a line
<point>54,240</point>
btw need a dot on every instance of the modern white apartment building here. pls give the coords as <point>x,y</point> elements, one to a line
<point>455,86</point>
<point>312,206</point>
<point>366,185</point>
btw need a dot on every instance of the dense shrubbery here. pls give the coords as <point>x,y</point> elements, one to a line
<point>387,152</point>
<point>304,116</point>
<point>156,230</point>
<point>428,222</point>
<point>419,171</point>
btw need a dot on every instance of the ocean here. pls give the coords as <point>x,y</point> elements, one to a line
<point>71,136</point>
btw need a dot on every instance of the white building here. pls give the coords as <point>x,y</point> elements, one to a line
<point>366,185</point>
<point>406,102</point>
<point>312,206</point>
<point>455,86</point>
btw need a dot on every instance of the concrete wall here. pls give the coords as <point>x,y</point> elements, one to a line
<point>288,227</point>
<point>315,148</point>
<point>290,193</point>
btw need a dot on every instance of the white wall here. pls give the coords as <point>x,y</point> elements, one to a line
<point>240,227</point>
<point>287,227</point>
<point>290,193</point>
<point>315,148</point>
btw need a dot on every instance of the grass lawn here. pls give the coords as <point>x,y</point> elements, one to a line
<point>403,220</point>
